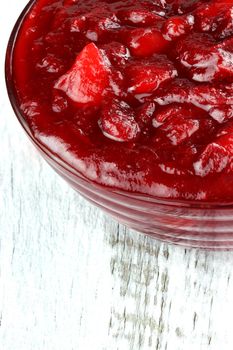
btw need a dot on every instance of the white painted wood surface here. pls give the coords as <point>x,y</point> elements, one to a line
<point>73,279</point>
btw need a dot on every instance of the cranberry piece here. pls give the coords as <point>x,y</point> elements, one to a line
<point>224,138</point>
<point>50,64</point>
<point>87,80</point>
<point>221,113</point>
<point>225,65</point>
<point>178,91</point>
<point>206,16</point>
<point>144,42</point>
<point>59,103</point>
<point>78,24</point>
<point>117,53</point>
<point>208,97</point>
<point>225,28</point>
<point>118,122</point>
<point>215,17</point>
<point>53,38</point>
<point>175,27</point>
<point>181,6</point>
<point>177,110</point>
<point>179,129</point>
<point>117,83</point>
<point>212,98</point>
<point>31,109</point>
<point>138,17</point>
<point>208,94</point>
<point>204,59</point>
<point>145,76</point>
<point>197,53</point>
<point>145,114</point>
<point>59,18</point>
<point>214,159</point>
<point>99,21</point>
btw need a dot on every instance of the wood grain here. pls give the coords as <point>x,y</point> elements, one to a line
<point>71,278</point>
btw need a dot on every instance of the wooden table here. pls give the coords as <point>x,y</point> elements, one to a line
<point>71,278</point>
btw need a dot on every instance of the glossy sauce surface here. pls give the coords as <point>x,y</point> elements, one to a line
<point>136,95</point>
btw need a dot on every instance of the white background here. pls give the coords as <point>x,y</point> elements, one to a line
<point>71,278</point>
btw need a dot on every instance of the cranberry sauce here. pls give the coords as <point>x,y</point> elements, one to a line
<point>134,94</point>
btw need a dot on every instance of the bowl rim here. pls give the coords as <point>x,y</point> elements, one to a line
<point>12,94</point>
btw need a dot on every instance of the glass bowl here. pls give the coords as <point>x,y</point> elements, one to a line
<point>191,224</point>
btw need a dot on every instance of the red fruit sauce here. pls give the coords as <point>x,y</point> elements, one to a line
<point>136,94</point>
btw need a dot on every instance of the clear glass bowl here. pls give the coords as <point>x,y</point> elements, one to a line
<point>180,222</point>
